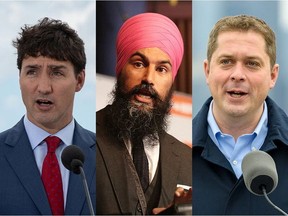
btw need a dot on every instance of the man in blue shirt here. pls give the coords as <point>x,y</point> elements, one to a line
<point>240,70</point>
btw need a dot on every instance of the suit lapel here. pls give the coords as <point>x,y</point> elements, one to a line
<point>76,194</point>
<point>169,162</point>
<point>114,154</point>
<point>20,156</point>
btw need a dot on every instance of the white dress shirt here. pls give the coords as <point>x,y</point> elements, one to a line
<point>36,137</point>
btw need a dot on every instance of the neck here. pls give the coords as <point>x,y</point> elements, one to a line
<point>238,125</point>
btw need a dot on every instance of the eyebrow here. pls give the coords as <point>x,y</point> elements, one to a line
<point>232,56</point>
<point>49,66</point>
<point>57,66</point>
<point>32,66</point>
<point>147,60</point>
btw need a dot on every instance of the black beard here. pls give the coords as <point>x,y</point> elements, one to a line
<point>130,120</point>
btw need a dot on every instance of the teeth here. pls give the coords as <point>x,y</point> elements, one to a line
<point>43,102</point>
<point>144,96</point>
<point>236,94</point>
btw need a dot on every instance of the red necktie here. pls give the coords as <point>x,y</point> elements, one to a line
<point>51,177</point>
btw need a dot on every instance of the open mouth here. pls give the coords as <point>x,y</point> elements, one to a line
<point>145,93</point>
<point>43,102</point>
<point>236,94</point>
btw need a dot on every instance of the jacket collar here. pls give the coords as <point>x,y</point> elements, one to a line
<point>277,126</point>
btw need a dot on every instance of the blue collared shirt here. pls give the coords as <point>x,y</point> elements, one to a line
<point>36,137</point>
<point>235,151</point>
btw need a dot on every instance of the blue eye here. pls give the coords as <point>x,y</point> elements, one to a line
<point>226,61</point>
<point>253,64</point>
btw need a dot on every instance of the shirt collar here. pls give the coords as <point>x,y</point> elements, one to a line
<point>215,129</point>
<point>36,134</point>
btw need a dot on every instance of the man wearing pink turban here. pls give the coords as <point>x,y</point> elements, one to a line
<point>139,165</point>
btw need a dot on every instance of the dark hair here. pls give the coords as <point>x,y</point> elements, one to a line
<point>51,38</point>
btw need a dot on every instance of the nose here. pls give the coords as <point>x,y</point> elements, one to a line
<point>44,84</point>
<point>238,73</point>
<point>149,75</point>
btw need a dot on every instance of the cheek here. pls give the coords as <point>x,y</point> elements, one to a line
<point>25,88</point>
<point>130,82</point>
<point>215,80</point>
<point>163,88</point>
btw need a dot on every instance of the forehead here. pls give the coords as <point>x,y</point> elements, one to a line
<point>153,53</point>
<point>42,61</point>
<point>238,41</point>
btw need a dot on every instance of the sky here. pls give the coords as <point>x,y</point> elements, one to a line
<point>81,16</point>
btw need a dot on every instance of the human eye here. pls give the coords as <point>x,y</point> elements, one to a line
<point>226,61</point>
<point>162,69</point>
<point>253,64</point>
<point>138,64</point>
<point>31,72</point>
<point>56,72</point>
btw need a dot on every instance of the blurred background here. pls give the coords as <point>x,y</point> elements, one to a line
<point>80,15</point>
<point>207,13</point>
<point>110,15</point>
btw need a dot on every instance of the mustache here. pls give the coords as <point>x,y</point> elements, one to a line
<point>146,89</point>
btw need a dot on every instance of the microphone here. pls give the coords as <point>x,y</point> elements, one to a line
<point>260,175</point>
<point>259,170</point>
<point>73,158</point>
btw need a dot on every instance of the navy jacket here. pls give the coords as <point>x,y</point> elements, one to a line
<point>216,190</point>
<point>21,188</point>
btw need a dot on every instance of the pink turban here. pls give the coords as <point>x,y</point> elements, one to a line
<point>149,30</point>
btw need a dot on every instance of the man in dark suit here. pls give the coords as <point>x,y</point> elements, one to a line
<point>51,62</point>
<point>139,166</point>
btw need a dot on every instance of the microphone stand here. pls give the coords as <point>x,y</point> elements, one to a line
<point>271,203</point>
<point>86,191</point>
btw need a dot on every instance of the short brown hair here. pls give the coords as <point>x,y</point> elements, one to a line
<point>243,23</point>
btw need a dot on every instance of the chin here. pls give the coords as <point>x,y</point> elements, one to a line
<point>238,112</point>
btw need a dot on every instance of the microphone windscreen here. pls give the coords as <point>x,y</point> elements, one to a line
<point>72,158</point>
<point>259,170</point>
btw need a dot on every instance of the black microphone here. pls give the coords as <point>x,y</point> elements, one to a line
<point>73,158</point>
<point>260,174</point>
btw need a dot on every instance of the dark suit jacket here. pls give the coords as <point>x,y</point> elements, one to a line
<point>21,188</point>
<point>116,190</point>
